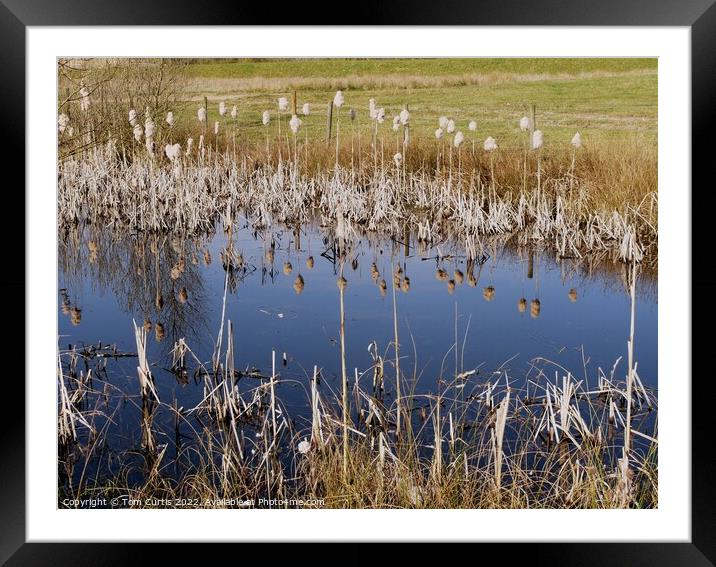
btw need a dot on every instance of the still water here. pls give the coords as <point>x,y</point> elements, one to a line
<point>576,313</point>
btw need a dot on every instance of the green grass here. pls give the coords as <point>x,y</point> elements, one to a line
<point>282,67</point>
<point>602,108</point>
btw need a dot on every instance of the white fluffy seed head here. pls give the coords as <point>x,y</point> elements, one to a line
<point>577,140</point>
<point>172,151</point>
<point>133,117</point>
<point>339,99</point>
<point>439,133</point>
<point>372,109</point>
<point>472,126</point>
<point>443,122</point>
<point>450,126</point>
<point>524,123</point>
<point>266,118</point>
<point>62,121</point>
<point>306,109</point>
<point>201,114</point>
<point>234,112</point>
<point>396,123</point>
<point>404,116</point>
<point>304,447</point>
<point>459,138</point>
<point>283,104</point>
<point>189,145</point>
<point>222,108</point>
<point>490,144</point>
<point>149,128</point>
<point>170,118</point>
<point>398,159</point>
<point>380,115</point>
<point>138,131</point>
<point>216,128</point>
<point>537,139</point>
<point>295,124</point>
<point>84,99</point>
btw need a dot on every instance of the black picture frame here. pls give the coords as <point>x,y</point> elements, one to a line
<point>699,15</point>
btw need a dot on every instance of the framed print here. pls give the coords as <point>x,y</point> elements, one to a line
<point>422,278</point>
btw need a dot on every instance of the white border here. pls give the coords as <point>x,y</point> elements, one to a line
<point>670,522</point>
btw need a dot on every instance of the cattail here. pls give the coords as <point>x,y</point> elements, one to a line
<point>524,123</point>
<point>172,151</point>
<point>398,158</point>
<point>396,123</point>
<point>201,114</point>
<point>170,118</point>
<point>341,282</point>
<point>451,286</point>
<point>374,273</point>
<point>352,114</point>
<point>269,256</point>
<point>295,124</point>
<point>147,113</point>
<point>459,138</point>
<point>306,109</point>
<point>177,270</point>
<point>310,262</point>
<point>338,99</point>
<point>450,126</point>
<point>537,139</point>
<point>222,108</point>
<point>299,284</point>
<point>234,112</point>
<point>189,145</point>
<point>207,257</point>
<point>149,128</point>
<point>443,122</point>
<point>372,109</point>
<point>404,116</point>
<point>472,126</point>
<point>159,301</point>
<point>439,133</point>
<point>383,287</point>
<point>283,104</point>
<point>149,143</point>
<point>577,140</point>
<point>488,293</point>
<point>183,295</point>
<point>147,325</point>
<point>84,99</point>
<point>441,275</point>
<point>535,307</point>
<point>75,316</point>
<point>380,115</point>
<point>159,332</point>
<point>471,280</point>
<point>287,268</point>
<point>572,295</point>
<point>132,117</point>
<point>459,276</point>
<point>522,305</point>
<point>62,121</point>
<point>216,128</point>
<point>266,118</point>
<point>490,144</point>
<point>406,285</point>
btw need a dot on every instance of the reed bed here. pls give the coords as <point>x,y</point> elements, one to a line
<point>191,193</point>
<point>480,442</point>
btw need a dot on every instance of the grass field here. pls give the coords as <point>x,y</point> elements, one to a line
<point>604,99</point>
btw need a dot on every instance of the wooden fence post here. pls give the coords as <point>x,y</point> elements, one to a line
<point>329,122</point>
<point>533,122</point>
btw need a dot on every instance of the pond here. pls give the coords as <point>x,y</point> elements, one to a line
<point>515,314</point>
